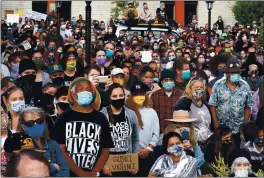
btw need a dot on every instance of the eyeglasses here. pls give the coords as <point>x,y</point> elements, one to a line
<point>32,122</point>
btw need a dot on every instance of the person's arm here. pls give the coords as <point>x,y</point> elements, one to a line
<point>247,112</point>
<point>135,134</point>
<point>125,14</point>
<point>156,131</point>
<point>256,106</point>
<point>136,14</point>
<point>102,160</point>
<point>214,116</point>
<point>61,161</point>
<point>151,174</point>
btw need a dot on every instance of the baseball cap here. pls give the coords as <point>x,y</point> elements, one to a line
<point>55,68</point>
<point>116,71</point>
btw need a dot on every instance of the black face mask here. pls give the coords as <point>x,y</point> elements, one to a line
<point>227,142</point>
<point>58,81</point>
<point>48,99</point>
<point>117,104</point>
<point>29,78</point>
<point>63,105</point>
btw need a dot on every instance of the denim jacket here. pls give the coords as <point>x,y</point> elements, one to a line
<point>54,155</point>
<point>133,121</point>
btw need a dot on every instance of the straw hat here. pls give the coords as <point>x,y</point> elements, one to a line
<point>181,116</point>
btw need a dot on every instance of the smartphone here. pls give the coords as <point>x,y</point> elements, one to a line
<point>103,79</point>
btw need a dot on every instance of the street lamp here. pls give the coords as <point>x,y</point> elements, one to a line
<point>88,16</point>
<point>58,6</point>
<point>209,7</point>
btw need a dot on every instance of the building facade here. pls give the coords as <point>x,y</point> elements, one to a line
<point>181,11</point>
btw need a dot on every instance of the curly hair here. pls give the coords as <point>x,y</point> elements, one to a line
<point>133,106</point>
<point>188,90</point>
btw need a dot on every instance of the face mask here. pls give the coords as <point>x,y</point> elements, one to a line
<point>241,173</point>
<point>59,51</point>
<point>73,22</point>
<point>212,54</point>
<point>173,40</point>
<point>15,68</point>
<point>259,59</point>
<point>117,104</point>
<point>83,31</point>
<point>109,53</point>
<point>64,106</point>
<point>156,80</point>
<point>188,59</point>
<point>93,40</point>
<point>227,50</point>
<point>148,81</point>
<point>259,142</point>
<point>36,130</point>
<point>171,58</point>
<point>51,48</point>
<point>38,63</point>
<point>29,78</point>
<point>155,47</point>
<point>71,65</point>
<point>235,78</point>
<point>48,99</point>
<point>208,73</point>
<point>120,81</point>
<point>198,94</point>
<point>227,142</point>
<point>186,74</point>
<point>201,60</point>
<point>168,85</point>
<point>101,61</point>
<point>198,51</point>
<point>175,150</point>
<point>139,100</point>
<point>58,81</point>
<point>84,98</point>
<point>254,74</point>
<point>244,38</point>
<point>17,106</point>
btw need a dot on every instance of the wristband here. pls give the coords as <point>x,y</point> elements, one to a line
<point>150,149</point>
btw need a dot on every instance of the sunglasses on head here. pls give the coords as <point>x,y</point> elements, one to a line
<point>32,122</point>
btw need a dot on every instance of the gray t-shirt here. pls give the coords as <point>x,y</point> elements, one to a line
<point>203,122</point>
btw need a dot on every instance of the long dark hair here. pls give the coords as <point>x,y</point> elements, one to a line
<point>109,93</point>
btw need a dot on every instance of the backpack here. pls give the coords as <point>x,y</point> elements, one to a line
<point>130,14</point>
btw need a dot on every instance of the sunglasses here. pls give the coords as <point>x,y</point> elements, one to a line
<point>31,122</point>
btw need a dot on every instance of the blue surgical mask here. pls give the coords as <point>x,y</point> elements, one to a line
<point>109,53</point>
<point>171,58</point>
<point>17,106</point>
<point>235,78</point>
<point>156,80</point>
<point>186,75</point>
<point>36,131</point>
<point>168,85</point>
<point>176,150</point>
<point>84,98</point>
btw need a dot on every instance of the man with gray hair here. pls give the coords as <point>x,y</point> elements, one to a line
<point>253,79</point>
<point>241,167</point>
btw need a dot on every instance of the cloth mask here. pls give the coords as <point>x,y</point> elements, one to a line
<point>15,68</point>
<point>71,65</point>
<point>175,150</point>
<point>84,98</point>
<point>38,63</point>
<point>109,53</point>
<point>235,78</point>
<point>101,61</point>
<point>156,80</point>
<point>139,100</point>
<point>148,81</point>
<point>17,106</point>
<point>63,105</point>
<point>117,104</point>
<point>29,78</point>
<point>186,74</point>
<point>36,131</point>
<point>119,81</point>
<point>198,94</point>
<point>168,85</point>
<point>259,142</point>
<point>58,81</point>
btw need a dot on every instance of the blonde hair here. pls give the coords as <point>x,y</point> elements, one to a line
<point>133,106</point>
<point>188,90</point>
<point>173,127</point>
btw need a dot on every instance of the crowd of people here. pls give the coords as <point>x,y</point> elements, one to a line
<point>63,114</point>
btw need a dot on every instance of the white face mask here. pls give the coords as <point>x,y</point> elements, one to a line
<point>244,38</point>
<point>241,173</point>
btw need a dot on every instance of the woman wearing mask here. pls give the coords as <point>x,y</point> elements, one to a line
<point>155,46</point>
<point>148,122</point>
<point>32,122</point>
<point>147,76</point>
<point>182,120</point>
<point>193,102</point>
<point>219,143</point>
<point>121,118</point>
<point>70,68</point>
<point>100,61</point>
<point>243,42</point>
<point>61,100</point>
<point>15,103</point>
<point>200,60</point>
<point>175,162</point>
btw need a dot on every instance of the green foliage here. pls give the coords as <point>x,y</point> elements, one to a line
<point>220,168</point>
<point>260,173</point>
<point>248,11</point>
<point>261,32</point>
<point>118,10</point>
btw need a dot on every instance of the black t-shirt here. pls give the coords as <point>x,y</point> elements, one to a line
<point>120,133</point>
<point>68,79</point>
<point>84,135</point>
<point>161,13</point>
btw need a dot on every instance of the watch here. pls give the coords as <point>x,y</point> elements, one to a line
<point>97,173</point>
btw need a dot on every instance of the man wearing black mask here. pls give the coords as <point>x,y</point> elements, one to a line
<point>27,72</point>
<point>56,75</point>
<point>51,52</point>
<point>61,100</point>
<point>118,59</point>
<point>253,80</point>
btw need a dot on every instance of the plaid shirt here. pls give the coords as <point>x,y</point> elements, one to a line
<point>164,105</point>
